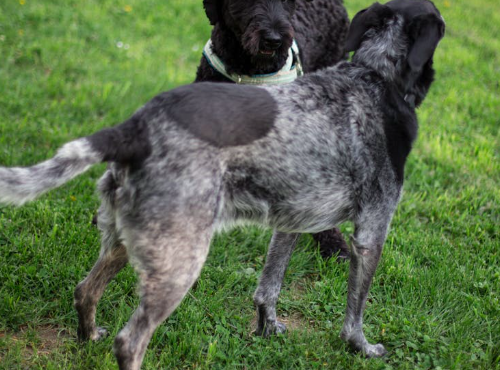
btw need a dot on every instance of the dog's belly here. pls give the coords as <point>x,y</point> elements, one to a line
<point>304,213</point>
<point>310,213</point>
<point>282,187</point>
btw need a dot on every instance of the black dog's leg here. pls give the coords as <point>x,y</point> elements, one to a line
<point>331,242</point>
<point>267,293</point>
<point>369,237</point>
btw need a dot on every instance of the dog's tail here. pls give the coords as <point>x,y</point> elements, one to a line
<point>126,143</point>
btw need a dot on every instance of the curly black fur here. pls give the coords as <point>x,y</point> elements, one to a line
<point>332,243</point>
<point>240,30</point>
<point>241,27</point>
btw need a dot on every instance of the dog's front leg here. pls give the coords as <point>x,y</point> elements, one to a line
<point>267,292</point>
<point>365,254</point>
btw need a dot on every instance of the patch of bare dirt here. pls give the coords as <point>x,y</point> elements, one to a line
<point>44,339</point>
<point>293,322</point>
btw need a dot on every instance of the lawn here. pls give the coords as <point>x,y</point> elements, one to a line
<point>68,68</point>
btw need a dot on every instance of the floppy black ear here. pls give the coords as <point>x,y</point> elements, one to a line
<point>213,9</point>
<point>363,21</point>
<point>425,31</point>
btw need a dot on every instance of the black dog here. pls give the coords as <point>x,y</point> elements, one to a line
<point>253,38</point>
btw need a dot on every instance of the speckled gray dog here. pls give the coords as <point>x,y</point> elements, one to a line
<point>301,157</point>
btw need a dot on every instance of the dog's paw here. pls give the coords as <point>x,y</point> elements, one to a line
<point>94,334</point>
<point>99,334</point>
<point>271,328</point>
<point>374,350</point>
<point>357,341</point>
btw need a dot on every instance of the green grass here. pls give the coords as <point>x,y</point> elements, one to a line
<point>435,298</point>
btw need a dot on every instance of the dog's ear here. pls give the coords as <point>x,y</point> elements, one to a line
<point>213,9</point>
<point>425,31</point>
<point>363,21</point>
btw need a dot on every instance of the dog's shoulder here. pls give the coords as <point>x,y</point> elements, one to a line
<point>399,119</point>
<point>380,103</point>
<point>221,114</point>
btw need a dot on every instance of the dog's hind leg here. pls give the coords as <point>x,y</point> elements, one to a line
<point>167,264</point>
<point>366,249</point>
<point>112,258</point>
<point>90,290</point>
<point>266,295</point>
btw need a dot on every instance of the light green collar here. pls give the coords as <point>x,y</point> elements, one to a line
<point>288,73</point>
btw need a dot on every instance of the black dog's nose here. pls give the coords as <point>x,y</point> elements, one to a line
<point>271,41</point>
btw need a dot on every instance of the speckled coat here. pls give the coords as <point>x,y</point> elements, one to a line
<point>327,148</point>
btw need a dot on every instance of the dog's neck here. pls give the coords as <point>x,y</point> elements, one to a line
<point>386,54</point>
<point>236,60</point>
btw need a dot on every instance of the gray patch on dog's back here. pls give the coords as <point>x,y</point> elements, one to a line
<point>223,115</point>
